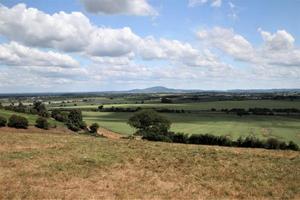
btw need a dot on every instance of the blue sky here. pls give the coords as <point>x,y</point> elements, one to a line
<point>95,45</point>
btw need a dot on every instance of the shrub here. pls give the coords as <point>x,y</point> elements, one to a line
<point>94,128</point>
<point>74,121</point>
<point>3,121</point>
<point>293,146</point>
<point>180,138</point>
<point>42,123</point>
<point>18,122</point>
<point>152,136</point>
<point>272,143</point>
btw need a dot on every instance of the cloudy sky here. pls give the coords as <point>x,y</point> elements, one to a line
<point>96,45</point>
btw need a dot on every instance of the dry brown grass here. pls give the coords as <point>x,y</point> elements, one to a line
<point>39,166</point>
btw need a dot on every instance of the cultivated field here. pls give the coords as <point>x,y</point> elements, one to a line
<point>283,128</point>
<point>189,106</point>
<point>37,165</point>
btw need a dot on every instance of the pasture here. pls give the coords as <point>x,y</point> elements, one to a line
<point>207,105</point>
<point>31,118</point>
<point>283,128</point>
<point>67,166</point>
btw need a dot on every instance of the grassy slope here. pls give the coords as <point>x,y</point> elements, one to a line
<point>31,118</point>
<point>38,166</point>
<point>283,128</point>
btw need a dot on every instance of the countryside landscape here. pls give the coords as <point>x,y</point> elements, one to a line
<point>112,100</point>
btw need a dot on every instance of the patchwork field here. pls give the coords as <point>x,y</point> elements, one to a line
<point>66,166</point>
<point>195,106</point>
<point>283,128</point>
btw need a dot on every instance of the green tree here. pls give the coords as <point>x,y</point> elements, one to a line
<point>40,109</point>
<point>75,122</point>
<point>149,121</point>
<point>17,122</point>
<point>42,123</point>
<point>3,121</point>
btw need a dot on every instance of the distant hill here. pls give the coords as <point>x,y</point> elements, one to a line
<point>160,89</point>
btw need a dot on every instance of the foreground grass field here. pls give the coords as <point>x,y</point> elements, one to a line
<point>52,166</point>
<point>283,128</point>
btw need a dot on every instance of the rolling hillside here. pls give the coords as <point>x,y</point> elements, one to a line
<point>36,165</point>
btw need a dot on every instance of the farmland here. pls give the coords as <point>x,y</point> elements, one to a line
<point>193,106</point>
<point>284,128</point>
<point>195,117</point>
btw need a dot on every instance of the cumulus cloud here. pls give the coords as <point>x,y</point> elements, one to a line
<point>280,40</point>
<point>127,7</point>
<point>277,49</point>
<point>14,54</point>
<point>228,41</point>
<point>213,3</point>
<point>70,32</point>
<point>73,32</point>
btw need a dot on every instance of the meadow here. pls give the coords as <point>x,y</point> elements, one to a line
<point>31,118</point>
<point>283,128</point>
<point>206,105</point>
<point>37,165</point>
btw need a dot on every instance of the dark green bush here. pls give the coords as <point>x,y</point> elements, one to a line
<point>42,123</point>
<point>74,121</point>
<point>94,128</point>
<point>18,122</point>
<point>3,121</point>
<point>293,146</point>
<point>272,143</point>
<point>180,138</point>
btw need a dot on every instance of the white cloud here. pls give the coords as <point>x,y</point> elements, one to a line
<point>14,54</point>
<point>281,40</point>
<point>74,32</point>
<point>127,7</point>
<point>213,3</point>
<point>71,32</point>
<point>278,49</point>
<point>227,41</point>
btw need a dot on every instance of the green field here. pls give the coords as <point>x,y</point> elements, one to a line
<point>284,128</point>
<point>31,118</point>
<point>199,105</point>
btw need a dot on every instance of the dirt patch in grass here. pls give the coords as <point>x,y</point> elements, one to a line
<point>109,134</point>
<point>81,167</point>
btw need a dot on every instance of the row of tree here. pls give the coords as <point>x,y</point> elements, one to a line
<point>16,121</point>
<point>38,108</point>
<point>154,127</point>
<point>260,111</point>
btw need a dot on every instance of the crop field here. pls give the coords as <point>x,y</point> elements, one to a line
<point>283,128</point>
<point>66,166</point>
<point>195,106</point>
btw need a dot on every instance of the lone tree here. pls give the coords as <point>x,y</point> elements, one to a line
<point>74,121</point>
<point>149,121</point>
<point>41,109</point>
<point>42,123</point>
